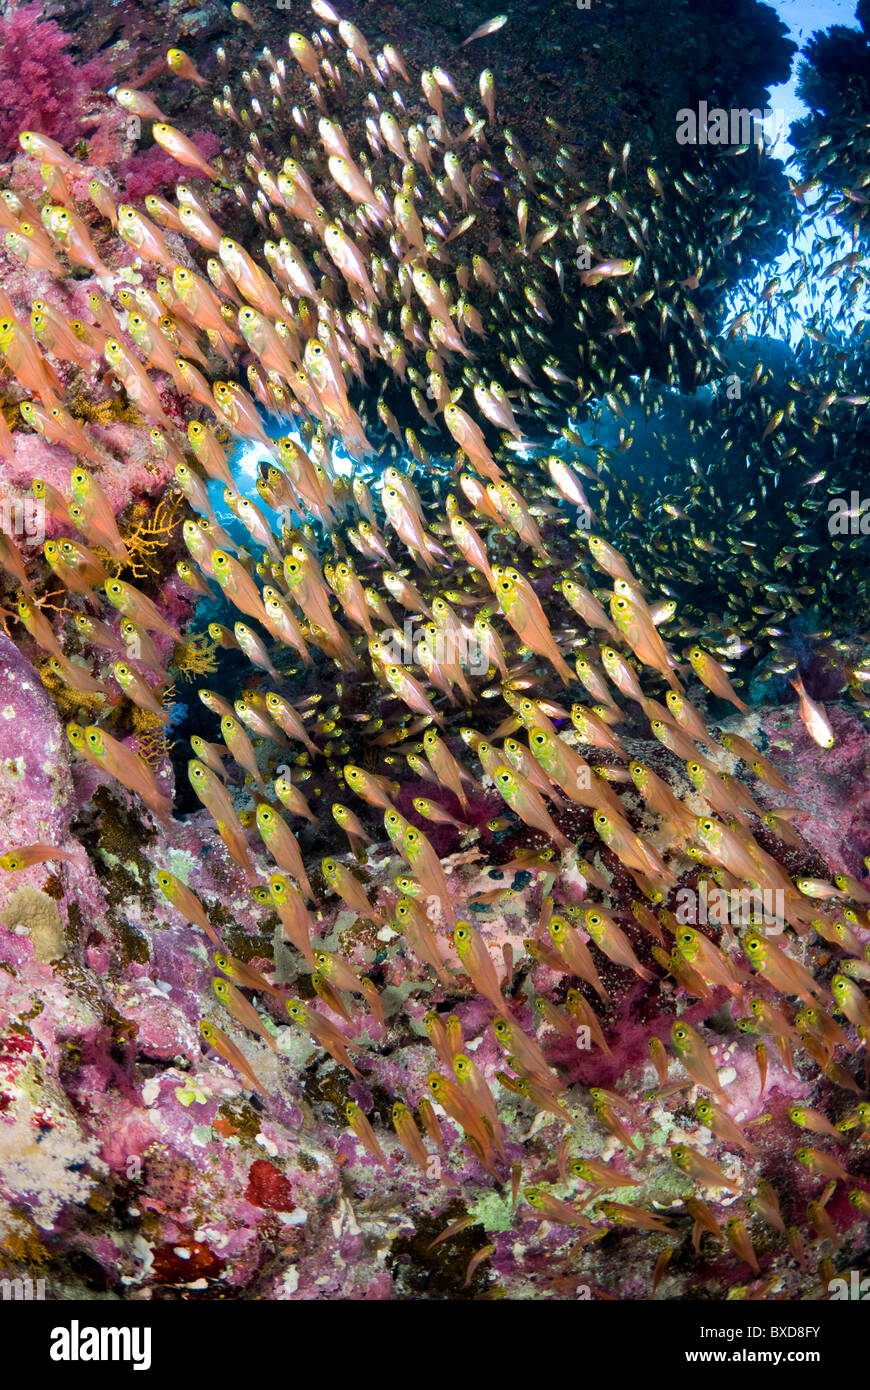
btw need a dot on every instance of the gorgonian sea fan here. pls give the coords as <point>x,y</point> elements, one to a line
<point>41,87</point>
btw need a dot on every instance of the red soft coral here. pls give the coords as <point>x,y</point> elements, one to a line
<point>41,88</point>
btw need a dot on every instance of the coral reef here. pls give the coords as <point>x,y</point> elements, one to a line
<point>397,898</point>
<point>41,86</point>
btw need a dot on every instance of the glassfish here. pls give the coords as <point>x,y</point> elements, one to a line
<point>182,149</point>
<point>814,716</point>
<point>294,915</point>
<point>282,845</point>
<point>242,1010</point>
<point>523,610</point>
<point>324,1033</point>
<point>342,882</point>
<point>25,856</point>
<point>226,1048</point>
<point>129,769</point>
<point>711,674</point>
<point>696,1057</point>
<point>138,607</point>
<point>612,940</point>
<point>214,796</point>
<point>700,1168</point>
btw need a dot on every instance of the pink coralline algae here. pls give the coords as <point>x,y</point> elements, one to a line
<point>41,87</point>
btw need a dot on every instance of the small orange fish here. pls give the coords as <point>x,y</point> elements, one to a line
<point>344,977</point>
<point>409,1136</point>
<point>738,1238</point>
<point>522,608</point>
<point>215,797</point>
<point>612,940</point>
<point>477,961</point>
<point>182,149</point>
<point>25,856</point>
<point>711,674</point>
<point>294,915</point>
<point>282,845</point>
<point>129,769</point>
<point>227,1049</point>
<point>695,1056</point>
<point>138,607</point>
<point>178,62</point>
<point>324,1033</point>
<point>46,151</point>
<point>814,716</point>
<point>242,1010</point>
<point>826,1165</point>
<point>185,901</point>
<point>700,1168</point>
<point>576,954</point>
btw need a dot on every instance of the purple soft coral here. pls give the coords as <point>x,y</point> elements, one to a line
<point>41,88</point>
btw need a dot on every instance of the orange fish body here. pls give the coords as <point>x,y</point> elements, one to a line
<point>182,149</point>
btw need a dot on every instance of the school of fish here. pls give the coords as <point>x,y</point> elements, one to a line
<point>556,628</point>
